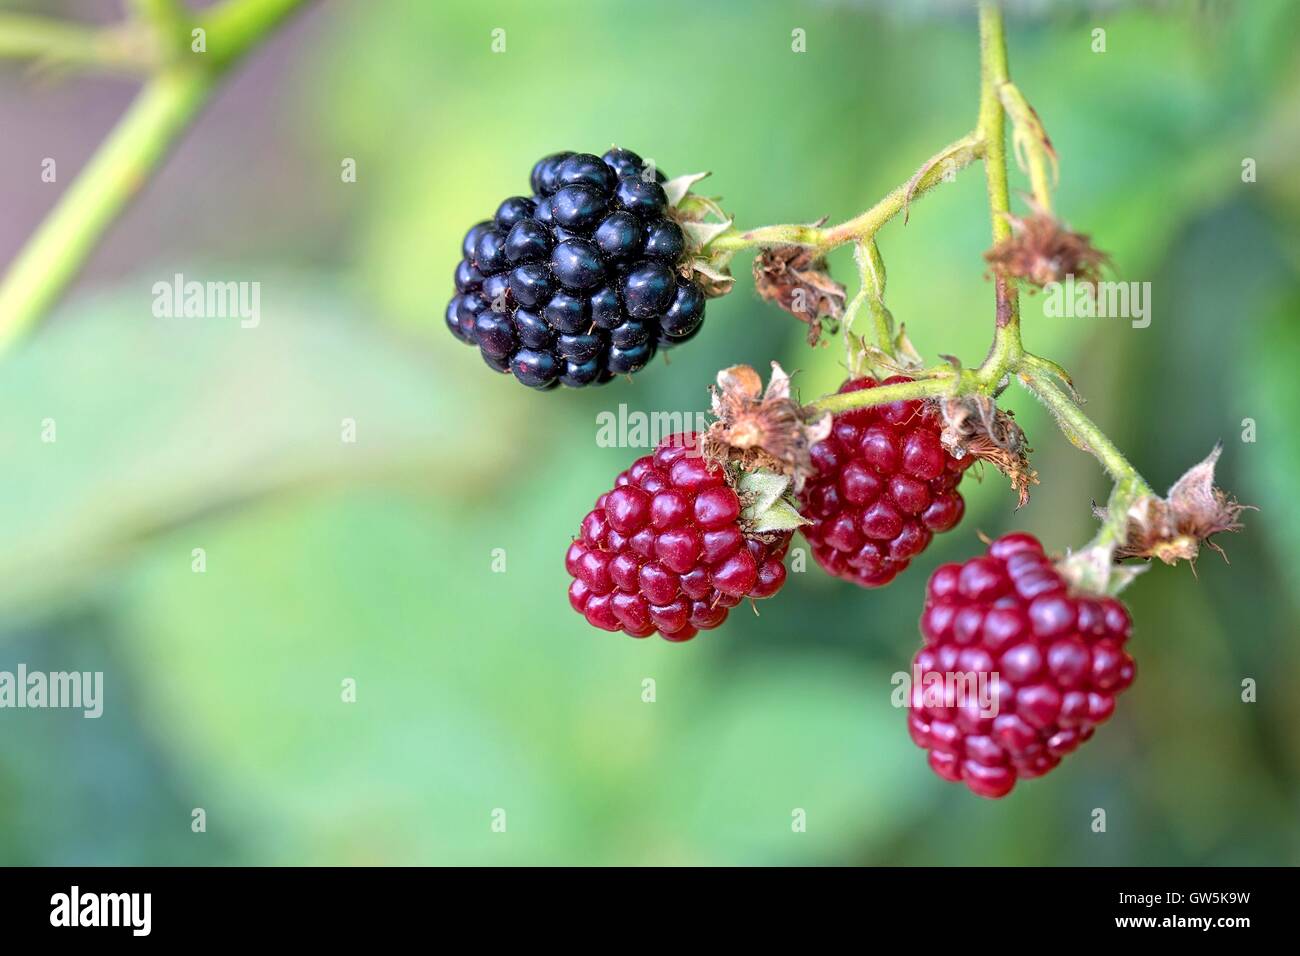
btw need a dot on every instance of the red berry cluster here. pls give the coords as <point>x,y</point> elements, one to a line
<point>1054,661</point>
<point>884,485</point>
<point>664,550</point>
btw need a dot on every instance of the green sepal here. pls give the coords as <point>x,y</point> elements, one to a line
<point>766,503</point>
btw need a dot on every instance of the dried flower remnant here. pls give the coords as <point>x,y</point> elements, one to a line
<point>1041,250</point>
<point>973,425</point>
<point>762,429</point>
<point>790,277</point>
<point>1172,528</point>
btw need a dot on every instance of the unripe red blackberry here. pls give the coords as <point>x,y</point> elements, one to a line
<point>666,549</point>
<point>580,281</point>
<point>1053,659</point>
<point>883,486</point>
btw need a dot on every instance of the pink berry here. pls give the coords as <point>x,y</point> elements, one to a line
<point>1053,658</point>
<point>883,487</point>
<point>664,549</point>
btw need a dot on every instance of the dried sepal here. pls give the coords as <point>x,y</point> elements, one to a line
<point>1174,527</point>
<point>759,429</point>
<point>795,280</point>
<point>973,425</point>
<point>1041,250</point>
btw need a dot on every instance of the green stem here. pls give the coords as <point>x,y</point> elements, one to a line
<point>902,391</point>
<point>1007,348</point>
<point>121,167</point>
<point>235,26</point>
<point>116,173</point>
<point>1081,430</point>
<point>1007,356</point>
<point>957,155</point>
<point>55,42</point>
<point>169,20</point>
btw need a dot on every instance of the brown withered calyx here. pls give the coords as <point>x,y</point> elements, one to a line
<point>1041,250</point>
<point>1174,527</point>
<point>793,279</point>
<point>974,425</point>
<point>759,428</point>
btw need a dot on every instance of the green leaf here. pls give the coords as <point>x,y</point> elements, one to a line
<point>115,424</point>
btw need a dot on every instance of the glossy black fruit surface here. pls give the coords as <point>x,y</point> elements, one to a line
<point>581,280</point>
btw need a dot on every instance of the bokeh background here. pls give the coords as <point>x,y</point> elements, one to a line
<point>373,561</point>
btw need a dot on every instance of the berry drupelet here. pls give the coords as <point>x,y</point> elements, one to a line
<point>665,549</point>
<point>1053,659</point>
<point>883,485</point>
<point>580,281</point>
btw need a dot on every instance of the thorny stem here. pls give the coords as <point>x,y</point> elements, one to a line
<point>181,83</point>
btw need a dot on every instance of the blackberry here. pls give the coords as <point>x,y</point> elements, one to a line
<point>884,486</point>
<point>580,281</point>
<point>1052,660</point>
<point>664,549</point>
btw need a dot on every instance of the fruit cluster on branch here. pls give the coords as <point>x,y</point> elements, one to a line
<point>869,474</point>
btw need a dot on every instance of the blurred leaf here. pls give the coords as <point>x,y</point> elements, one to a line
<point>156,420</point>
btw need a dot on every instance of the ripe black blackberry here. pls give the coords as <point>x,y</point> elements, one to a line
<point>580,281</point>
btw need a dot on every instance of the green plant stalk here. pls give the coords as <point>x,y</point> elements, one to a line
<point>116,173</point>
<point>236,26</point>
<point>1007,359</point>
<point>1007,348</point>
<point>864,226</point>
<point>57,43</point>
<point>120,168</point>
<point>170,22</point>
<point>1081,430</point>
<point>931,387</point>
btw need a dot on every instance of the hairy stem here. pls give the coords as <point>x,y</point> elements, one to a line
<point>1007,358</point>
<point>935,170</point>
<point>1007,348</point>
<point>1082,431</point>
<point>902,391</point>
<point>1033,148</point>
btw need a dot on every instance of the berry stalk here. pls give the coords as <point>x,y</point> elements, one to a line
<point>864,226</point>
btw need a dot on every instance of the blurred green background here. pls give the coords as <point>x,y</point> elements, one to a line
<point>373,561</point>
